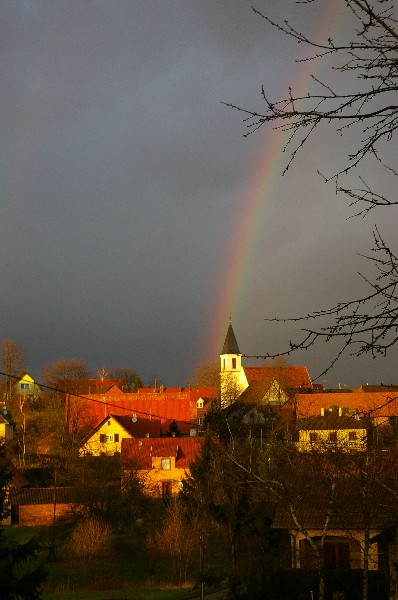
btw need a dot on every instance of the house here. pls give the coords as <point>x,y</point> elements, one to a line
<point>25,385</point>
<point>334,429</point>
<point>236,378</point>
<point>107,436</point>
<point>41,506</point>
<point>162,464</point>
<point>380,403</point>
<point>337,506</point>
<point>179,405</point>
<point>6,427</point>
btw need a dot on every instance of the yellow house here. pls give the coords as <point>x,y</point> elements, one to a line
<point>26,385</point>
<point>6,428</point>
<point>106,437</point>
<point>162,464</point>
<point>333,429</point>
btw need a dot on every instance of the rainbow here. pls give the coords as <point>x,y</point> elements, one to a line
<point>250,223</point>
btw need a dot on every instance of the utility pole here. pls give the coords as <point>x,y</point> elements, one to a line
<point>201,565</point>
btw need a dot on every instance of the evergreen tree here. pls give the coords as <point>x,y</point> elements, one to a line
<point>21,578</point>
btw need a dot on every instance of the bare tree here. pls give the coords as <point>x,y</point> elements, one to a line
<point>90,539</point>
<point>366,68</point>
<point>13,362</point>
<point>177,537</point>
<point>131,378</point>
<point>65,369</point>
<point>206,374</point>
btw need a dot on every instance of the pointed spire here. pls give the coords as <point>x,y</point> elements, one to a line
<point>230,344</point>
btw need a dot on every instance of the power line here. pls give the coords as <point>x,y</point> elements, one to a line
<point>101,402</point>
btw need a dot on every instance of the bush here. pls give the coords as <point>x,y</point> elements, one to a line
<point>90,539</point>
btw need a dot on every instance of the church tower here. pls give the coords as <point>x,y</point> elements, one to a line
<point>232,375</point>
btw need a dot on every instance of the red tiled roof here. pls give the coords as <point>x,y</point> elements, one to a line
<point>377,404</point>
<point>141,427</point>
<point>184,449</point>
<point>166,406</point>
<point>138,428</point>
<point>286,376</point>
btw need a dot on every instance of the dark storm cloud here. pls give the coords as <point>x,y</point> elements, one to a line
<point>122,175</point>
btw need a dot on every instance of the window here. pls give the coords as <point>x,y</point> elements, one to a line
<point>234,363</point>
<point>166,463</point>
<point>199,403</point>
<point>336,555</point>
<point>332,436</point>
<point>313,436</point>
<point>109,438</point>
<point>352,436</point>
<point>24,386</point>
<point>200,421</point>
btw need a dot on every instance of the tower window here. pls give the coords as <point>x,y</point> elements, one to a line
<point>234,363</point>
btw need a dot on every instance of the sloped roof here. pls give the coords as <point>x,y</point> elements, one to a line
<point>377,388</point>
<point>167,406</point>
<point>141,427</point>
<point>4,420</point>
<point>376,404</point>
<point>230,344</point>
<point>287,376</point>
<point>24,496</point>
<point>332,421</point>
<point>142,450</point>
<point>308,491</point>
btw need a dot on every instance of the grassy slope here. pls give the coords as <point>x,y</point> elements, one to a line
<point>125,575</point>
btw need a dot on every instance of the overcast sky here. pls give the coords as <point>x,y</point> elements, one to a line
<point>123,179</point>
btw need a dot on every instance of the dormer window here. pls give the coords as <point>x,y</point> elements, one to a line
<point>234,363</point>
<point>166,464</point>
<point>199,403</point>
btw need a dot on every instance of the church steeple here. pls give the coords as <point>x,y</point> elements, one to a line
<point>232,375</point>
<point>230,344</point>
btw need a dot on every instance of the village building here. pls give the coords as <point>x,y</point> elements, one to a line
<point>278,381</point>
<point>334,506</point>
<point>41,506</point>
<point>106,438</point>
<point>179,410</point>
<point>6,427</point>
<point>161,464</point>
<point>332,430</point>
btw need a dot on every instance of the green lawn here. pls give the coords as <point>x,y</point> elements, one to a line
<point>124,594</point>
<point>126,574</point>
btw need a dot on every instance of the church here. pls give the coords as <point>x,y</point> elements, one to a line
<point>236,378</point>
